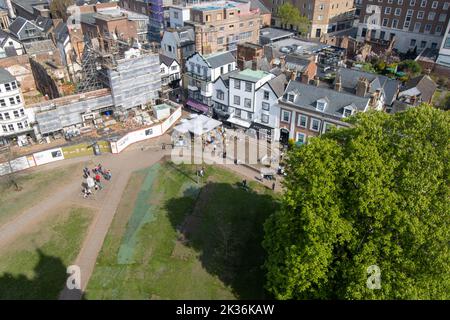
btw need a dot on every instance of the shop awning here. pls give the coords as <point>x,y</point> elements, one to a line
<point>239,122</point>
<point>197,105</point>
<point>198,125</point>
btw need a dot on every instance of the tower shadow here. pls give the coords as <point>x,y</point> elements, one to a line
<point>225,225</point>
<point>49,278</point>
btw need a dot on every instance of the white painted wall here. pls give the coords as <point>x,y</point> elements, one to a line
<point>178,15</point>
<point>220,85</point>
<point>274,111</point>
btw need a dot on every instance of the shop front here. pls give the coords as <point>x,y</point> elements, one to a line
<point>197,106</point>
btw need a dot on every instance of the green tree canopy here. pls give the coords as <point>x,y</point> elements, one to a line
<point>411,67</point>
<point>374,194</point>
<point>290,15</point>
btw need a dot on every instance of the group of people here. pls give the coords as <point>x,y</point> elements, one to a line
<point>94,181</point>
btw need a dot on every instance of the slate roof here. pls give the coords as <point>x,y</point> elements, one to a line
<point>183,35</point>
<point>17,24</point>
<point>424,84</point>
<point>28,4</point>
<point>398,106</point>
<point>221,59</point>
<point>350,77</point>
<point>5,76</point>
<point>278,84</point>
<point>226,77</point>
<point>61,32</point>
<point>294,62</point>
<point>307,96</point>
<point>4,37</point>
<point>44,23</point>
<point>166,60</point>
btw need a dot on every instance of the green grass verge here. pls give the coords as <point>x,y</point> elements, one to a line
<point>34,266</point>
<point>34,187</point>
<point>203,242</point>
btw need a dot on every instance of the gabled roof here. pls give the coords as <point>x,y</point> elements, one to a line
<point>424,84</point>
<point>350,77</point>
<point>166,60</point>
<point>307,96</point>
<point>220,59</point>
<point>4,36</point>
<point>278,84</point>
<point>17,25</point>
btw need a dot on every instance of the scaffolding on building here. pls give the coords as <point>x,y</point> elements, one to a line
<point>99,55</point>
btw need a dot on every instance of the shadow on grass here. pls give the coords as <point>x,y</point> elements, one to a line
<point>225,224</point>
<point>49,278</point>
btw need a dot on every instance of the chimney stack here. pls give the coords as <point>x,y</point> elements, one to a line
<point>362,87</point>
<point>338,83</point>
<point>11,13</point>
<point>293,75</point>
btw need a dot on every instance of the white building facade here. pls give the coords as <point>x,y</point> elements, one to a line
<point>14,119</point>
<point>170,71</point>
<point>201,72</point>
<point>249,100</point>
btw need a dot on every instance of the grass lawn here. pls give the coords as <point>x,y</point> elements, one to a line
<point>174,239</point>
<point>34,266</point>
<point>35,186</point>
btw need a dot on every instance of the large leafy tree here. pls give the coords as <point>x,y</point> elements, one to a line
<point>374,194</point>
<point>290,15</point>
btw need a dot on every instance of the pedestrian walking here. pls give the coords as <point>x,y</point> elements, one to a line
<point>273,186</point>
<point>97,181</point>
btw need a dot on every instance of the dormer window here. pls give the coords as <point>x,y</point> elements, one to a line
<point>291,97</point>
<point>321,105</point>
<point>348,111</point>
